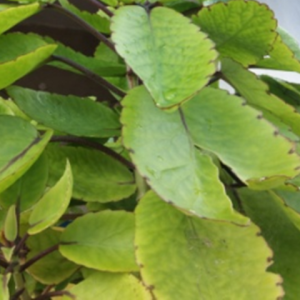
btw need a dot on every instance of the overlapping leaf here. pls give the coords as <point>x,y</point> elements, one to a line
<point>242,30</point>
<point>16,61</point>
<point>10,15</point>
<point>70,114</point>
<point>200,259</point>
<point>267,211</point>
<point>53,204</point>
<point>108,246</point>
<point>97,176</point>
<point>240,137</point>
<point>21,146</point>
<point>110,286</point>
<point>257,94</point>
<point>164,154</point>
<point>172,57</point>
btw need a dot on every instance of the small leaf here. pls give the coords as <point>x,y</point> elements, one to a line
<point>281,234</point>
<point>20,148</point>
<point>109,286</point>
<point>4,291</point>
<point>108,246</point>
<point>193,258</point>
<point>97,176</point>
<point>173,58</point>
<point>10,15</point>
<point>11,224</point>
<point>240,137</point>
<point>16,61</point>
<point>163,152</point>
<point>29,188</point>
<point>242,30</point>
<point>70,114</point>
<point>53,268</point>
<point>53,204</point>
<point>8,253</point>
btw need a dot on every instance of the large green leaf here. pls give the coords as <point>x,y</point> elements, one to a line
<point>102,241</point>
<point>281,234</point>
<point>242,30</point>
<point>285,54</point>
<point>53,268</point>
<point>29,188</point>
<point>53,204</point>
<point>70,114</point>
<point>100,23</point>
<point>109,286</point>
<point>10,15</point>
<point>257,94</point>
<point>172,57</point>
<point>240,137</point>
<point>97,176</point>
<point>162,150</point>
<point>21,146</point>
<point>184,257</point>
<point>16,61</point>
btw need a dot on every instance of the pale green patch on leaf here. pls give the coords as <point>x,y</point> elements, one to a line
<point>281,234</point>
<point>173,58</point>
<point>97,176</point>
<point>16,61</point>
<point>11,224</point>
<point>200,259</point>
<point>10,15</point>
<point>257,94</point>
<point>109,286</point>
<point>69,114</point>
<point>163,152</point>
<point>29,188</point>
<point>240,137</point>
<point>108,246</point>
<point>21,146</point>
<point>53,268</point>
<point>4,290</point>
<point>242,30</point>
<point>53,204</point>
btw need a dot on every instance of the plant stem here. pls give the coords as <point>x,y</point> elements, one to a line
<point>102,7</point>
<point>101,37</point>
<point>17,294</point>
<point>19,282</point>
<point>38,257</point>
<point>3,264</point>
<point>215,78</point>
<point>21,243</point>
<point>90,75</point>
<point>94,145</point>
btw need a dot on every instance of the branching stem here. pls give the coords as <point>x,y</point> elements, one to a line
<point>102,7</point>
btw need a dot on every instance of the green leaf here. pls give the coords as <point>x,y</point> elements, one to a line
<point>97,176</point>
<point>108,246</point>
<point>285,54</point>
<point>162,150</point>
<point>10,15</point>
<point>110,286</point>
<point>257,94</point>
<point>70,114</point>
<point>193,258</point>
<point>16,61</point>
<point>281,234</point>
<point>21,146</point>
<point>53,268</point>
<point>242,30</point>
<point>173,58</point>
<point>100,23</point>
<point>240,137</point>
<point>4,291</point>
<point>53,204</point>
<point>11,224</point>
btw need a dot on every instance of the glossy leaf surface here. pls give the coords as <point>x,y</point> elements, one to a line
<point>70,114</point>
<point>53,204</point>
<point>11,225</point>
<point>173,58</point>
<point>108,246</point>
<point>242,30</point>
<point>161,148</point>
<point>15,61</point>
<point>200,259</point>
